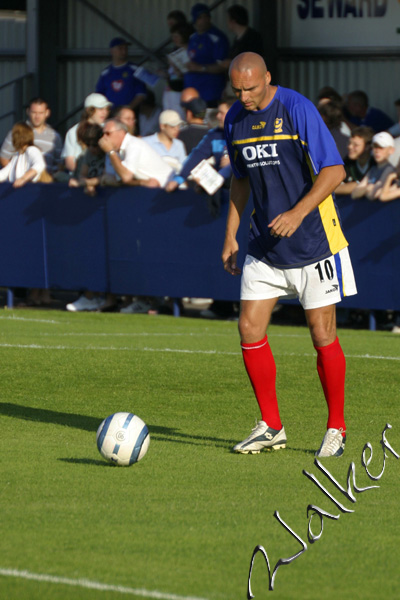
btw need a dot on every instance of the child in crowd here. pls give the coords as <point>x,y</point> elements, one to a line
<point>371,184</point>
<point>91,165</point>
<point>359,159</point>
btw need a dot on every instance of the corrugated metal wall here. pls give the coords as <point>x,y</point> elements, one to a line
<point>378,77</point>
<point>12,63</point>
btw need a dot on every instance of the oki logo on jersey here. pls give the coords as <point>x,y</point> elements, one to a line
<point>261,125</point>
<point>260,151</point>
<point>117,85</point>
<point>278,125</point>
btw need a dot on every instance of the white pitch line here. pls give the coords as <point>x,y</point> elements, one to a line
<point>180,351</point>
<point>11,318</point>
<point>93,585</point>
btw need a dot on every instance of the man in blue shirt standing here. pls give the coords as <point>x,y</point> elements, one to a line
<point>208,46</point>
<point>118,82</point>
<point>281,151</point>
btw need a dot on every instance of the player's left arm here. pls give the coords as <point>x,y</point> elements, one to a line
<point>285,224</point>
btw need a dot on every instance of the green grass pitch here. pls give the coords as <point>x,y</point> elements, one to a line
<point>183,522</point>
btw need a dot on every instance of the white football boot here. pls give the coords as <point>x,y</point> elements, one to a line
<point>262,437</point>
<point>332,444</point>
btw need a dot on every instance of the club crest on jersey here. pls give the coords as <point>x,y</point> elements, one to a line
<point>117,85</point>
<point>261,125</point>
<point>278,125</point>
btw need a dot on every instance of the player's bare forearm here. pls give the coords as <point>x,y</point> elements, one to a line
<point>239,195</point>
<point>285,224</point>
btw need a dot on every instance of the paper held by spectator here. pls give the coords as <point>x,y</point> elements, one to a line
<point>207,177</point>
<point>179,59</point>
<point>146,76</point>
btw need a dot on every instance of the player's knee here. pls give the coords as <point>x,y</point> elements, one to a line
<point>323,335</point>
<point>249,331</point>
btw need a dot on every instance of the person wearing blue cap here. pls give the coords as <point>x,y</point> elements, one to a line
<point>207,48</point>
<point>118,82</point>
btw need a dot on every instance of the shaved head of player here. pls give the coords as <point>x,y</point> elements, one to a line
<point>250,81</point>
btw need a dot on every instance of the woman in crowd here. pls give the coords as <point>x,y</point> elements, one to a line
<point>28,163</point>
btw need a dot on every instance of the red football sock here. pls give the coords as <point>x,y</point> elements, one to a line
<point>261,369</point>
<point>331,367</point>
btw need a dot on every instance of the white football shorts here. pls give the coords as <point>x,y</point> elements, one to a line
<point>322,283</point>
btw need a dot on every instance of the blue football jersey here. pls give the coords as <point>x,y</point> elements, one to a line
<point>282,148</point>
<point>119,84</point>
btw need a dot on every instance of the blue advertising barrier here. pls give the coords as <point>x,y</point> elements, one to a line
<point>147,242</point>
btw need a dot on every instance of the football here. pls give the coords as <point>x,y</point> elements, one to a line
<point>123,439</point>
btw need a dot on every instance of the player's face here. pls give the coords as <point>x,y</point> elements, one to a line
<point>37,114</point>
<point>356,147</point>
<point>251,88</point>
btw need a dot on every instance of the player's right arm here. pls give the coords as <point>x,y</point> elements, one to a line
<point>239,195</point>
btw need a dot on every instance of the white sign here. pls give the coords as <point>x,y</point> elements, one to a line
<point>339,23</point>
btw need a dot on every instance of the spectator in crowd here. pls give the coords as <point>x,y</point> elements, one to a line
<point>93,160</point>
<point>177,18</point>
<point>332,116</point>
<point>212,146</point>
<point>96,110</point>
<point>207,48</point>
<point>118,82</point>
<point>371,185</point>
<point>359,159</point>
<point>246,39</point>
<point>329,94</point>
<point>390,189</point>
<point>177,59</point>
<point>359,112</point>
<point>126,115</point>
<point>133,161</point>
<point>189,93</point>
<point>27,162</point>
<point>45,137</point>
<point>395,129</point>
<point>165,141</point>
<point>149,114</point>
<point>195,128</point>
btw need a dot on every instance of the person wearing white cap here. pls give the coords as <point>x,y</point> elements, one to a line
<point>96,110</point>
<point>371,185</point>
<point>165,141</point>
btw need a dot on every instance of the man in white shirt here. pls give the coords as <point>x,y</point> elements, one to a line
<point>132,159</point>
<point>164,142</point>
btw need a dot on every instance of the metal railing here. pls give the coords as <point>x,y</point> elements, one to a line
<point>20,96</point>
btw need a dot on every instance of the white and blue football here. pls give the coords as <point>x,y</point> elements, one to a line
<point>123,439</point>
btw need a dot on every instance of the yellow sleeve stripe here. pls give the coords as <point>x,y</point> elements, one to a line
<point>331,225</point>
<point>265,138</point>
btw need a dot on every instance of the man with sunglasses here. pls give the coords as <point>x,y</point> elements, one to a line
<point>130,159</point>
